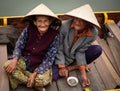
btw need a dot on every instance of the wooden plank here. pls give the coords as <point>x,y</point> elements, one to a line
<point>115,48</point>
<point>23,88</point>
<point>109,54</point>
<point>111,69</point>
<point>4,83</point>
<point>105,74</point>
<point>96,81</point>
<point>109,66</point>
<point>63,86</point>
<point>52,87</point>
<point>114,29</point>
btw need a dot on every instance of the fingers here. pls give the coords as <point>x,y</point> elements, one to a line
<point>31,80</point>
<point>11,66</point>
<point>86,83</point>
<point>85,79</point>
<point>63,72</point>
<point>88,68</point>
<point>41,89</point>
<point>9,69</point>
<point>66,73</point>
<point>30,83</point>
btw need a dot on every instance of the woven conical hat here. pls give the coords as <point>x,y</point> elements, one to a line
<point>41,10</point>
<point>84,12</point>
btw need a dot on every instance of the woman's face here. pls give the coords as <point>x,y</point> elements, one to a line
<point>79,24</point>
<point>42,23</point>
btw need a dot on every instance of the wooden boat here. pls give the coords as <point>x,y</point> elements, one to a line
<point>105,73</point>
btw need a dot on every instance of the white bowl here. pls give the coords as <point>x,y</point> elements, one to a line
<point>72,81</point>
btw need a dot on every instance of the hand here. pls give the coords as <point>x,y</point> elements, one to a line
<point>85,79</point>
<point>87,68</point>
<point>63,72</point>
<point>31,79</point>
<point>11,66</point>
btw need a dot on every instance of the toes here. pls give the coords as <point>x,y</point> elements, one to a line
<point>41,89</point>
<point>86,83</point>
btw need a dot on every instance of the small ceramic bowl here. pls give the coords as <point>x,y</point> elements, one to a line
<point>72,81</point>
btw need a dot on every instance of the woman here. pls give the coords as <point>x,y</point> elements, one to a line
<point>35,50</point>
<point>76,37</point>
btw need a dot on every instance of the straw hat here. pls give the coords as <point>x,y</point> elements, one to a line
<point>84,12</point>
<point>41,10</point>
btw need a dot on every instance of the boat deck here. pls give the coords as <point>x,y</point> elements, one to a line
<point>104,74</point>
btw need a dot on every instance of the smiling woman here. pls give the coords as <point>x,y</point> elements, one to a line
<point>33,56</point>
<point>42,23</point>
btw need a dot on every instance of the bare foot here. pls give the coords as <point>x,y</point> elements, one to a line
<point>87,68</point>
<point>41,89</point>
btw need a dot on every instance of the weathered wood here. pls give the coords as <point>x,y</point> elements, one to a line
<point>111,69</point>
<point>109,54</point>
<point>114,29</point>
<point>115,48</point>
<point>109,66</point>
<point>105,74</point>
<point>4,83</point>
<point>97,83</point>
<point>63,86</point>
<point>23,88</point>
<point>52,87</point>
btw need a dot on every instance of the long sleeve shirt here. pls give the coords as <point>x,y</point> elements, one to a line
<point>47,59</point>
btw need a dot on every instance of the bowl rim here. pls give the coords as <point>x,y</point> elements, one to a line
<point>72,77</point>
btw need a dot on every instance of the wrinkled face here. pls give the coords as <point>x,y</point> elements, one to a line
<point>79,24</point>
<point>42,23</point>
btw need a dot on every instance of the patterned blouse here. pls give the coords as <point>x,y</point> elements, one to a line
<point>48,59</point>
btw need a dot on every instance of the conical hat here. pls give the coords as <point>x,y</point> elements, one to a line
<point>84,12</point>
<point>41,10</point>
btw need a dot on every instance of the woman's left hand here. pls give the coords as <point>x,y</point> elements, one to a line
<point>10,68</point>
<point>31,79</point>
<point>63,72</point>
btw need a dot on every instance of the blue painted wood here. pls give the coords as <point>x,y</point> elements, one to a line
<point>22,7</point>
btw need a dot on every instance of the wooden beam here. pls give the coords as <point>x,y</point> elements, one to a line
<point>4,83</point>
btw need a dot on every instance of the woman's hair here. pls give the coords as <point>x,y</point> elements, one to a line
<point>34,17</point>
<point>55,23</point>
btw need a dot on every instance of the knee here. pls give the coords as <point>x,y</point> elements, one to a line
<point>98,49</point>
